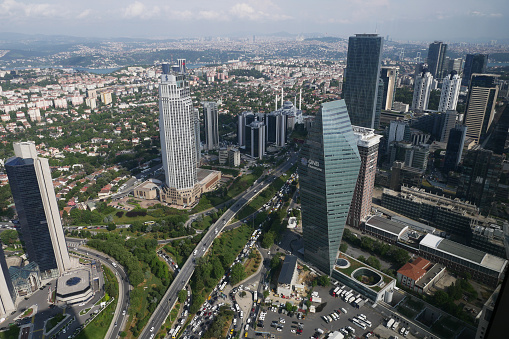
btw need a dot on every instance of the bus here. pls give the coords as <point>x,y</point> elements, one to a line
<point>358,323</point>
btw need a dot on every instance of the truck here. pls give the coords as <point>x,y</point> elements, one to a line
<point>255,296</point>
<point>390,322</point>
<point>395,326</point>
<point>317,300</point>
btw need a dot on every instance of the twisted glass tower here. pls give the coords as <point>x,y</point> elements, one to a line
<point>328,171</point>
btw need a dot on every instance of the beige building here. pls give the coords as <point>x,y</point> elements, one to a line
<point>106,98</point>
<point>207,181</point>
<point>149,190</point>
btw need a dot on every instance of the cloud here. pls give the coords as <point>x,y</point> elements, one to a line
<point>246,11</point>
<point>9,8</point>
<point>481,14</point>
<point>138,10</point>
<point>84,14</point>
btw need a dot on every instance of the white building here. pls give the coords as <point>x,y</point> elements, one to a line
<point>178,140</point>
<point>211,129</point>
<point>422,89</point>
<point>450,92</point>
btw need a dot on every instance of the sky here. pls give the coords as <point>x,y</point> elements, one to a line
<point>448,20</point>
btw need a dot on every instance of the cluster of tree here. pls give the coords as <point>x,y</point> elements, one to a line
<point>5,200</point>
<point>9,237</point>
<point>322,280</point>
<point>110,283</point>
<point>129,253</point>
<point>371,261</point>
<point>137,212</point>
<point>391,253</point>
<point>83,217</point>
<point>78,234</point>
<point>238,273</point>
<point>181,249</point>
<point>404,95</point>
<point>152,298</point>
<point>215,330</point>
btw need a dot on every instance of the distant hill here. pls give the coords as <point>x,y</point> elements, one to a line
<point>327,39</point>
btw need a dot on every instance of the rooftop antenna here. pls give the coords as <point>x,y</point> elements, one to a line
<point>300,100</point>
<point>376,27</point>
<point>276,101</point>
<point>282,94</point>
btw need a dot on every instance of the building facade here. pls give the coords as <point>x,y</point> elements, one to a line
<point>422,90</point>
<point>480,110</point>
<point>436,59</point>
<point>361,84</point>
<point>36,205</point>
<point>211,127</point>
<point>178,140</point>
<point>367,144</point>
<point>474,63</point>
<point>454,149</point>
<point>255,139</point>
<point>450,92</point>
<point>7,292</point>
<point>328,171</point>
<point>389,76</point>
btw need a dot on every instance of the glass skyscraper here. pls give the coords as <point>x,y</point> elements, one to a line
<point>436,59</point>
<point>36,205</point>
<point>361,86</point>
<point>328,171</point>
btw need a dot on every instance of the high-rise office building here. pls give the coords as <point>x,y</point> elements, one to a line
<point>7,293</point>
<point>480,110</point>
<point>244,119</point>
<point>197,141</point>
<point>422,90</point>
<point>480,174</point>
<point>36,205</point>
<point>436,59</point>
<point>177,128</point>
<point>360,87</point>
<point>450,92</point>
<point>454,148</point>
<point>453,65</point>
<point>182,66</point>
<point>447,122</point>
<point>166,68</point>
<point>328,171</point>
<point>276,128</point>
<point>389,75</point>
<point>367,144</point>
<point>211,127</point>
<point>255,139</point>
<point>474,64</point>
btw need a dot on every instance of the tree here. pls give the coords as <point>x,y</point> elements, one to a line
<point>182,295</point>
<point>373,262</point>
<point>343,247</point>
<point>266,293</point>
<point>238,273</point>
<point>268,239</point>
<point>323,280</point>
<point>111,226</point>
<point>275,262</point>
<point>361,258</point>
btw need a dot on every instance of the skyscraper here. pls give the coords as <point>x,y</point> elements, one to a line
<point>245,118</point>
<point>480,174</point>
<point>474,63</point>
<point>36,205</point>
<point>480,110</point>
<point>422,90</point>
<point>178,140</point>
<point>182,66</point>
<point>7,294</point>
<point>454,148</point>
<point>436,59</point>
<point>210,120</point>
<point>450,92</point>
<point>276,128</point>
<point>367,144</point>
<point>389,75</point>
<point>360,87</point>
<point>328,171</point>
<point>255,139</point>
<point>197,141</point>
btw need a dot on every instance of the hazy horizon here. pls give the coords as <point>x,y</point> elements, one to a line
<point>455,20</point>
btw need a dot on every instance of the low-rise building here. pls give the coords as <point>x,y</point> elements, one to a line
<point>420,275</point>
<point>384,229</point>
<point>287,276</point>
<point>149,190</point>
<point>25,280</point>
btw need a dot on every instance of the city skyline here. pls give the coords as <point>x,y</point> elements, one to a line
<point>452,20</point>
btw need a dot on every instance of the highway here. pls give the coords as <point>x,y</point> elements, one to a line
<point>119,319</point>
<point>160,314</point>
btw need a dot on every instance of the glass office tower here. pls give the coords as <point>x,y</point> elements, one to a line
<point>361,86</point>
<point>328,171</point>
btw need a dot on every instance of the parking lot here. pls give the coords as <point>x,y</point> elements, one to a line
<point>313,321</point>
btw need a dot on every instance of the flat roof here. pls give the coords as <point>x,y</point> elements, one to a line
<point>413,223</point>
<point>386,225</point>
<point>464,252</point>
<point>286,275</point>
<point>77,280</point>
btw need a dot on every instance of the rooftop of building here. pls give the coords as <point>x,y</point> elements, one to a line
<point>202,173</point>
<point>24,272</point>
<point>430,274</point>
<point>289,265</point>
<point>366,137</point>
<point>413,224</point>
<point>386,225</point>
<point>76,280</point>
<point>416,269</point>
<point>464,252</point>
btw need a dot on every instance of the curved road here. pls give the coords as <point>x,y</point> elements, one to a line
<point>123,289</point>
<point>170,297</point>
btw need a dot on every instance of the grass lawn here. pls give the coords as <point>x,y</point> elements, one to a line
<point>11,333</point>
<point>129,220</point>
<point>252,264</point>
<point>99,326</point>
<point>203,224</point>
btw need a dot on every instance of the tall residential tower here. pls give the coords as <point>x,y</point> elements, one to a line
<point>361,84</point>
<point>36,205</point>
<point>328,171</point>
<point>450,92</point>
<point>422,90</point>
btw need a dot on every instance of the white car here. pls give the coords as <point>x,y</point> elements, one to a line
<point>152,329</point>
